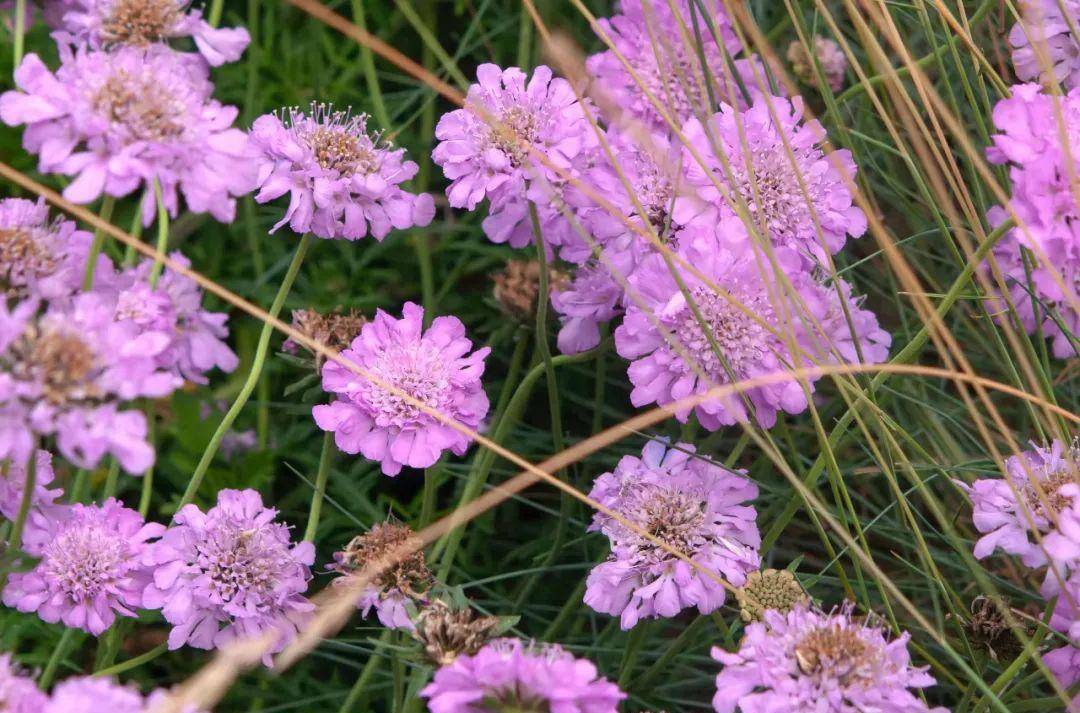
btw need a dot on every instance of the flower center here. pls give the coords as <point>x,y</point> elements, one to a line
<point>770,186</point>
<point>418,371</point>
<point>85,559</point>
<point>742,339</point>
<point>410,575</point>
<point>1051,499</point>
<point>60,362</point>
<point>140,22</point>
<point>338,150</point>
<point>675,518</point>
<point>241,564</point>
<point>838,653</point>
<point>517,129</point>
<point>24,255</point>
<point>141,106</point>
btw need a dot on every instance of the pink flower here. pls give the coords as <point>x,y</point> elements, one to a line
<point>1043,43</point>
<point>229,573</point>
<point>342,182</point>
<point>829,56</point>
<point>751,326</point>
<point>691,505</point>
<point>1064,663</point>
<point>65,371</point>
<point>116,121</point>
<point>18,692</point>
<point>507,674</point>
<point>433,366</point>
<point>90,566</point>
<point>811,661</point>
<point>13,485</point>
<point>140,23</point>
<point>589,300</point>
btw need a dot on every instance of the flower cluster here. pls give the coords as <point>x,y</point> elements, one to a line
<point>80,694</point>
<point>1044,46</point>
<point>1040,257</point>
<point>809,660</point>
<point>436,367</point>
<point>508,674</point>
<point>690,505</point>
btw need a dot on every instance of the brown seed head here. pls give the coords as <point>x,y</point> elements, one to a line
<point>836,652</point>
<point>24,255</point>
<point>990,629</point>
<point>141,22</point>
<point>410,575</point>
<point>59,360</point>
<point>448,633</point>
<point>336,329</point>
<point>772,589</point>
<point>518,284</point>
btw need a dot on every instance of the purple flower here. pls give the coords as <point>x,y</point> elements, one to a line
<point>433,366</point>
<point>649,38</point>
<point>42,257</point>
<point>796,195</point>
<point>508,674</point>
<point>590,299</point>
<point>1048,244</point>
<point>116,121</point>
<point>175,308</point>
<point>90,569</point>
<point>832,59</point>
<point>689,504</point>
<point>1007,510</point>
<point>65,371</point>
<point>1064,663</point>
<point>18,692</point>
<point>812,661</point>
<point>92,694</point>
<point>342,182</point>
<point>1043,43</point>
<point>751,325</point>
<point>13,483</point>
<point>229,573</point>
<point>140,23</point>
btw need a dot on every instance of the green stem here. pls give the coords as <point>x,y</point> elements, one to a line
<point>326,457</point>
<point>432,481</point>
<point>20,29</point>
<point>148,476</point>
<point>162,235</point>
<point>107,204</point>
<point>134,662</point>
<point>112,479</point>
<point>54,659</point>
<point>253,376</point>
<point>351,703</point>
<point>214,16</point>
<point>30,479</point>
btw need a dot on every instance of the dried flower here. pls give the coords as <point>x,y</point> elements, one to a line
<point>990,628</point>
<point>342,181</point>
<point>1044,45</point>
<point>769,590</point>
<point>508,674</point>
<point>518,284</point>
<point>828,54</point>
<point>335,330</point>
<point>447,633</point>
<point>433,366</point>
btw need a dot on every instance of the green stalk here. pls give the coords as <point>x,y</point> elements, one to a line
<point>352,701</point>
<point>15,540</point>
<point>49,673</point>
<point>20,28</point>
<point>162,235</point>
<point>253,376</point>
<point>148,476</point>
<point>133,662</point>
<point>326,457</point>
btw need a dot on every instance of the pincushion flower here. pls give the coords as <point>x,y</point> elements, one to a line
<point>229,573</point>
<point>117,121</point>
<point>795,195</point>
<point>18,692</point>
<point>42,257</point>
<point>687,503</point>
<point>94,694</point>
<point>749,324</point>
<point>342,181</point>
<point>590,299</point>
<point>1044,201</point>
<point>508,674</point>
<point>140,23</point>
<point>1043,43</point>
<point>829,56</point>
<point>1064,663</point>
<point>90,567</point>
<point>13,485</point>
<point>433,366</point>
<point>65,372</point>
<point>650,38</point>
<point>812,661</point>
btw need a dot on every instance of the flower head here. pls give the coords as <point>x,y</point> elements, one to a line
<point>407,579</point>
<point>591,298</point>
<point>447,633</point>
<point>90,569</point>
<point>342,182</point>
<point>336,329</point>
<point>1043,44</point>
<point>508,674</point>
<point>769,590</point>
<point>1064,663</point>
<point>827,53</point>
<point>141,23</point>
<point>66,370</point>
<point>92,694</point>
<point>18,692</point>
<point>229,573</point>
<point>118,121</point>
<point>809,660</point>
<point>517,287</point>
<point>688,504</point>
<point>13,484</point>
<point>433,366</point>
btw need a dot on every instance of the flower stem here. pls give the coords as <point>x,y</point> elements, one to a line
<point>54,659</point>
<point>148,476</point>
<point>374,660</point>
<point>107,204</point>
<point>162,235</point>
<point>134,662</point>
<point>432,480</point>
<point>15,540</point>
<point>20,29</point>
<point>253,375</point>
<point>326,457</point>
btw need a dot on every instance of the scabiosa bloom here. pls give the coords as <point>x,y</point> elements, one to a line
<point>229,573</point>
<point>591,298</point>
<point>812,661</point>
<point>140,23</point>
<point>508,674</point>
<point>39,256</point>
<point>18,692</point>
<point>66,371</point>
<point>1043,44</point>
<point>407,579</point>
<point>1005,520</point>
<point>517,288</point>
<point>1044,200</point>
<point>649,37</point>
<point>432,366</point>
<point>90,566</point>
<point>790,187</point>
<point>751,325</point>
<point>691,505</point>
<point>828,54</point>
<point>342,181</point>
<point>13,483</point>
<point>116,121</point>
<point>1064,663</point>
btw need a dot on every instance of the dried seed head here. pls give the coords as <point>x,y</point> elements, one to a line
<point>518,285</point>
<point>410,575</point>
<point>990,629</point>
<point>336,329</point>
<point>828,54</point>
<point>25,255</point>
<point>448,633</point>
<point>772,589</point>
<point>59,360</point>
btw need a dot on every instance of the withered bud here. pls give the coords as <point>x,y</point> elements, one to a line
<point>518,284</point>
<point>448,633</point>
<point>336,329</point>
<point>771,589</point>
<point>990,629</point>
<point>410,575</point>
<point>829,55</point>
